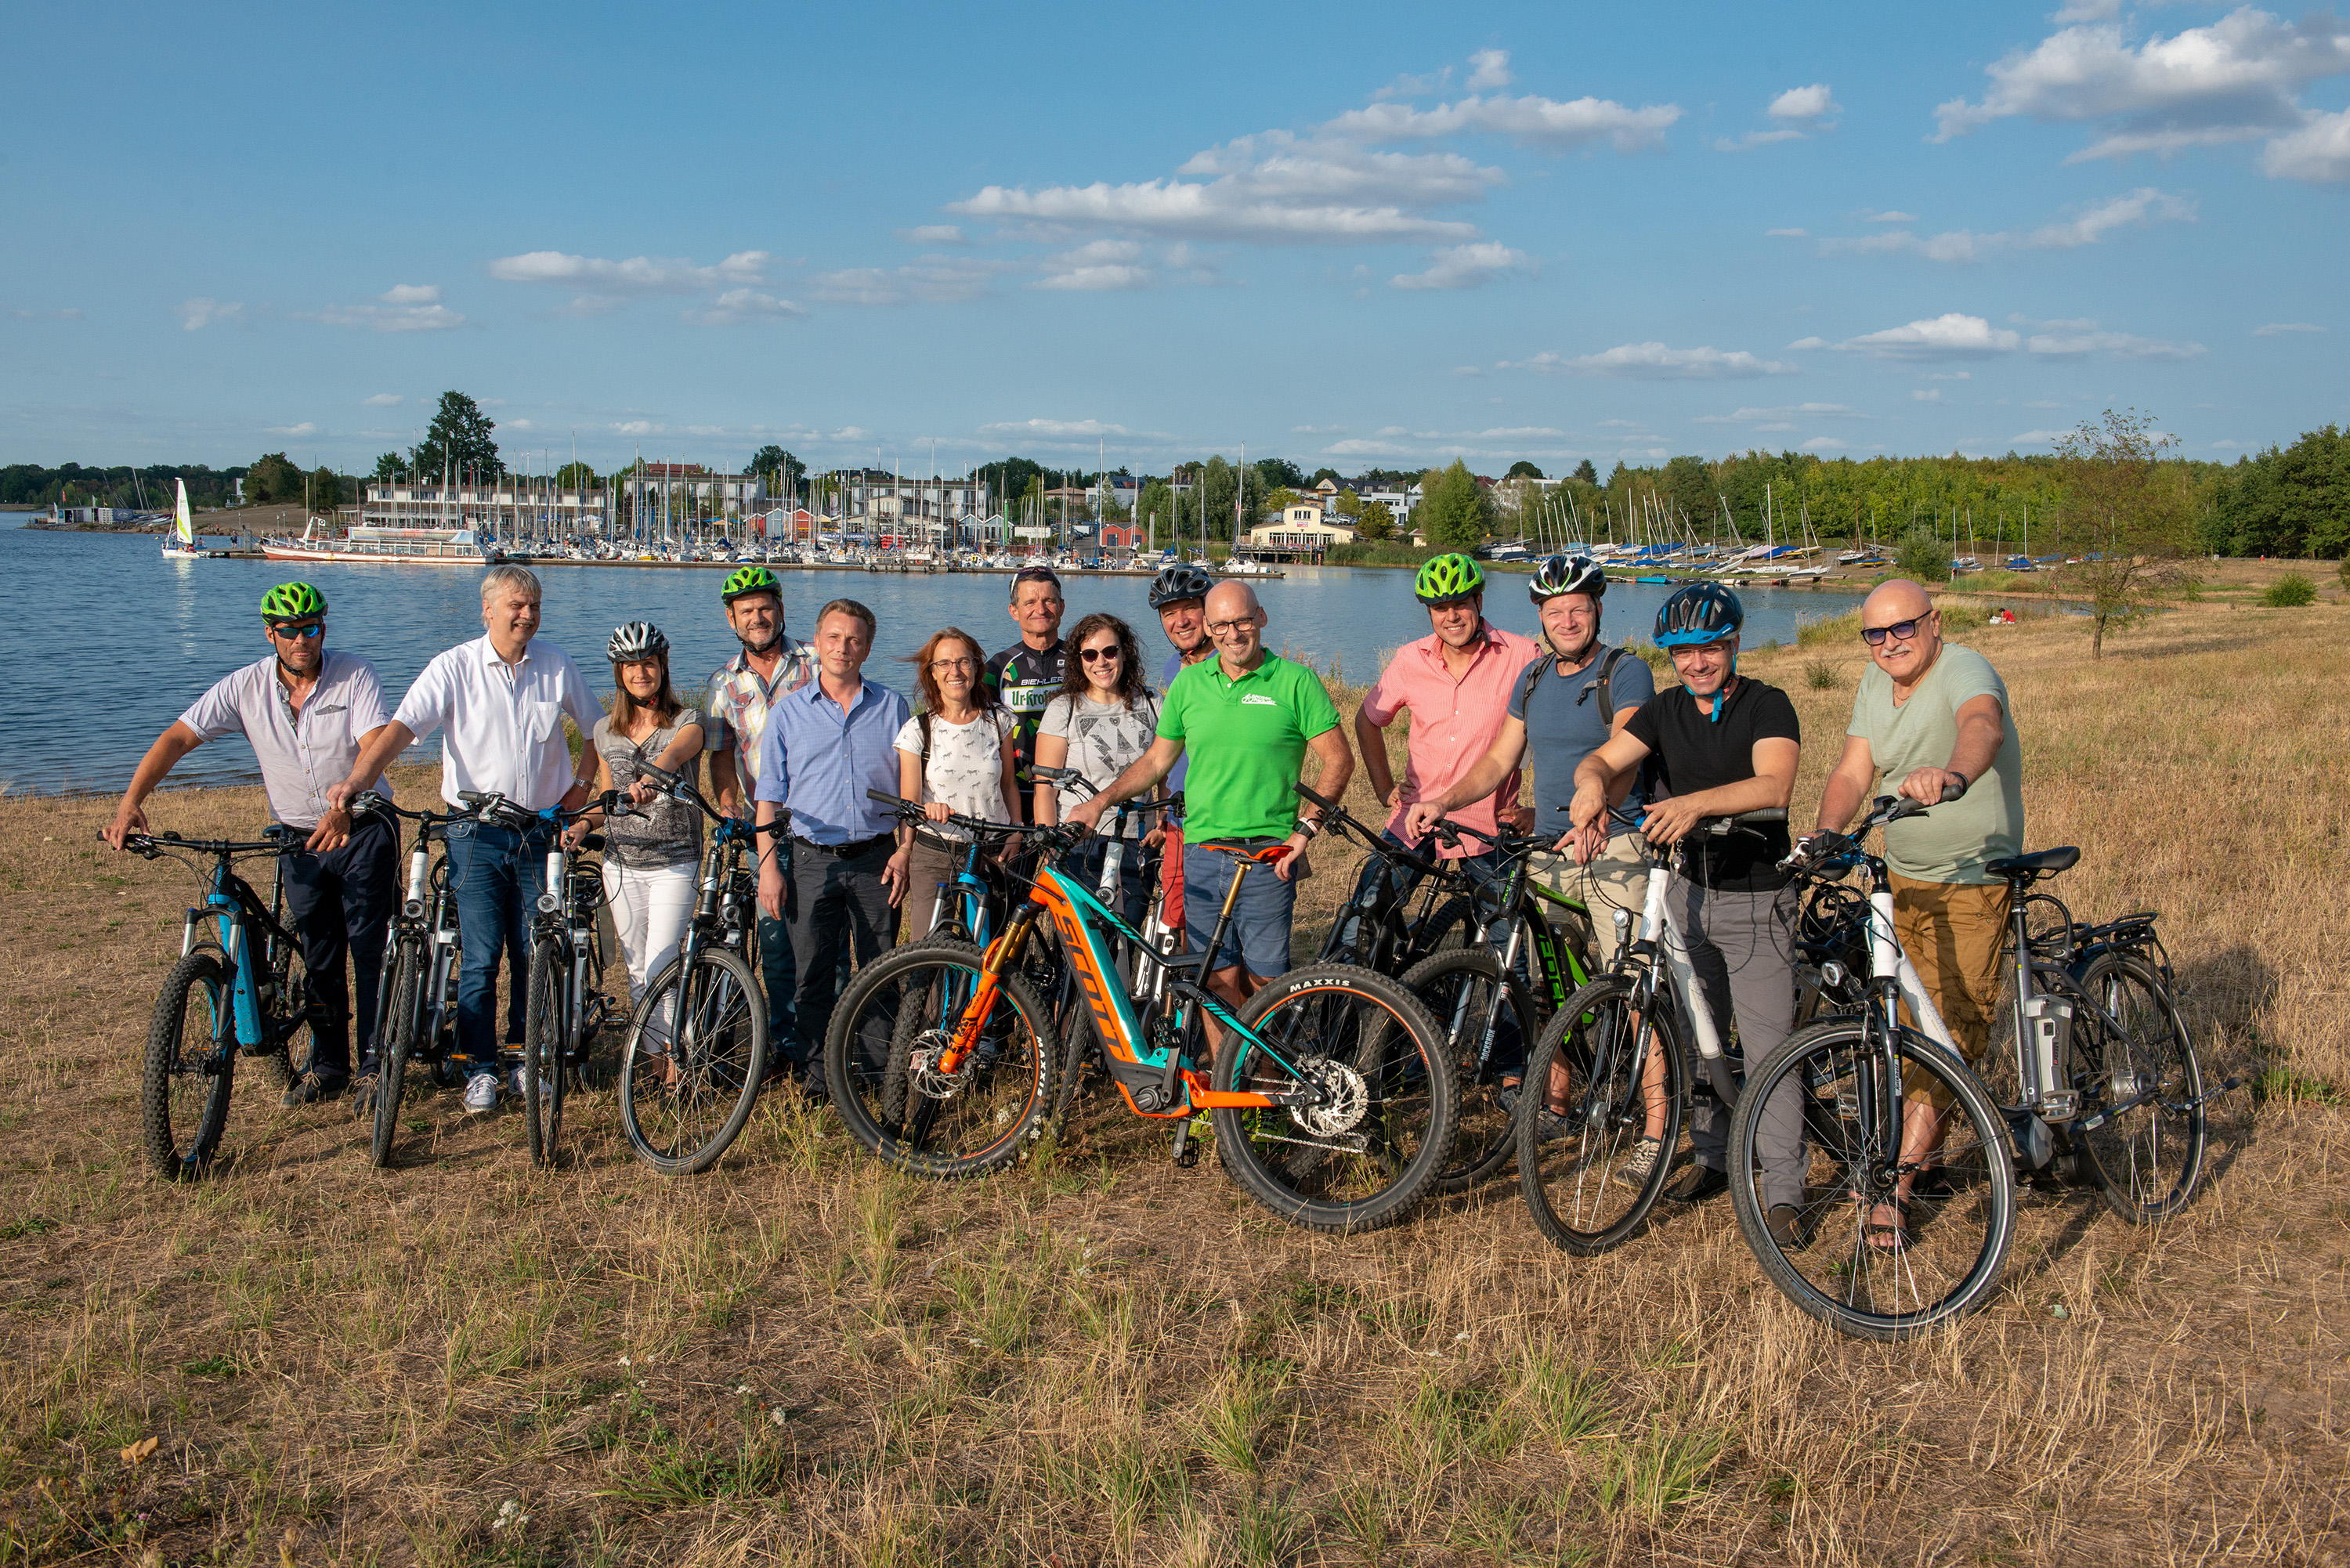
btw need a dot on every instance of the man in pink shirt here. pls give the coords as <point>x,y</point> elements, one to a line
<point>1456,681</point>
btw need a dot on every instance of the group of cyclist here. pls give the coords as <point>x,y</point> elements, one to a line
<point>797,736</point>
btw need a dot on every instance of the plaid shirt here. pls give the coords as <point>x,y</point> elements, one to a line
<point>739,700</point>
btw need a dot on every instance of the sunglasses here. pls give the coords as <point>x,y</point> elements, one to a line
<point>1900,631</point>
<point>1091,654</point>
<point>305,632</point>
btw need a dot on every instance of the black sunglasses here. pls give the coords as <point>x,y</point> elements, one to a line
<point>1900,631</point>
<point>306,631</point>
<point>1091,654</point>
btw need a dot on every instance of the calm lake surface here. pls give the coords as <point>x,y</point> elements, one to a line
<point>114,642</point>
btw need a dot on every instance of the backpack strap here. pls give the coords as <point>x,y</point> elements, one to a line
<point>923,719</point>
<point>1606,692</point>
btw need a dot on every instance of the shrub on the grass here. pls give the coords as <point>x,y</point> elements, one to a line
<point>2289,592</point>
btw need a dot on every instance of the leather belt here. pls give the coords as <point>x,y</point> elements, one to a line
<point>843,851</point>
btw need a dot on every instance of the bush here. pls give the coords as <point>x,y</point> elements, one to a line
<point>1842,629</point>
<point>1821,673</point>
<point>2342,571</point>
<point>2289,592</point>
<point>1923,555</point>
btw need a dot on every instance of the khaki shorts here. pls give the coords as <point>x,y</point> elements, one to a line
<point>1955,934</point>
<point>1617,879</point>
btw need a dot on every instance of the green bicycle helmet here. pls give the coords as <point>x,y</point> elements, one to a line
<point>751,580</point>
<point>1452,576</point>
<point>291,601</point>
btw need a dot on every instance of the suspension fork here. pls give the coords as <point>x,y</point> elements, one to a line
<point>1002,954</point>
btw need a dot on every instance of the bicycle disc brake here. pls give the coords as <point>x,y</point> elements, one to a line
<point>922,1069</point>
<point>1345,1099</point>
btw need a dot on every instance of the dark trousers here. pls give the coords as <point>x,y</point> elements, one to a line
<point>497,876</point>
<point>338,904</point>
<point>833,905</point>
<point>780,973</point>
<point>1085,863</point>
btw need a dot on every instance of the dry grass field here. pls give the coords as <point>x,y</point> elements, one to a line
<point>801,1357</point>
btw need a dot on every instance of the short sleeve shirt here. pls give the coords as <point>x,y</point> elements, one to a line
<point>1024,679</point>
<point>1695,754</point>
<point>1566,722</point>
<point>739,698</point>
<point>302,755</point>
<point>1952,841</point>
<point>504,722</point>
<point>669,832</point>
<point>1247,740</point>
<point>1454,721</point>
<point>964,771</point>
<point>1105,738</point>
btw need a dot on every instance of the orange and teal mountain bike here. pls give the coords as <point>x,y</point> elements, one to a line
<point>1331,1094</point>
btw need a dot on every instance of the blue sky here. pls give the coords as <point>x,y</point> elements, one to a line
<point>1347,235</point>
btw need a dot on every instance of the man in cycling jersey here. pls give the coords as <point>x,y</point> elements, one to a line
<point>741,692</point>
<point>1931,717</point>
<point>1026,676</point>
<point>1248,718</point>
<point>1577,694</point>
<point>1180,596</point>
<point>1723,744</point>
<point>308,713</point>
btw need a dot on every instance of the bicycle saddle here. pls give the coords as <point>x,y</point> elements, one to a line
<point>2032,867</point>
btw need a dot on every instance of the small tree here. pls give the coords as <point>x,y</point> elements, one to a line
<point>326,489</point>
<point>457,443</point>
<point>389,467</point>
<point>1586,472</point>
<point>1346,503</point>
<point>273,478</point>
<point>1376,523</point>
<point>1522,469</point>
<point>2130,514</point>
<point>1924,555</point>
<point>1456,511</point>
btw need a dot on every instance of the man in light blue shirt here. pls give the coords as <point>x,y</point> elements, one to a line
<point>826,744</point>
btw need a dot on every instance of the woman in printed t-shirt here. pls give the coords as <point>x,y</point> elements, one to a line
<point>956,756</point>
<point>1102,721</point>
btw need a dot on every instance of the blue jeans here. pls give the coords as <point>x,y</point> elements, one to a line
<point>497,876</point>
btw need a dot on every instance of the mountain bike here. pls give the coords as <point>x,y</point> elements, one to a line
<point>237,991</point>
<point>697,1045</point>
<point>416,1007</point>
<point>1611,1074</point>
<point>565,1006</point>
<point>1331,1094</point>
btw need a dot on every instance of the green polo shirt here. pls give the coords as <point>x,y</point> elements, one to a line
<point>1246,741</point>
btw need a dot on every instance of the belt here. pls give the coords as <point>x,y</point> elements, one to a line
<point>843,851</point>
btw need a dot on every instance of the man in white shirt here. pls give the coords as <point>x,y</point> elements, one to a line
<point>308,713</point>
<point>500,704</point>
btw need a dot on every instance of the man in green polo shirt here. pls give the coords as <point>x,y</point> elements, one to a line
<point>1247,719</point>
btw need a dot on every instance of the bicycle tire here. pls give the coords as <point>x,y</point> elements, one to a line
<point>1461,988</point>
<point>1958,1236</point>
<point>2136,1031</point>
<point>1388,1068</point>
<point>398,1044</point>
<point>543,1028</point>
<point>182,1139</point>
<point>725,1063</point>
<point>1569,1180</point>
<point>288,1011</point>
<point>1450,926</point>
<point>896,1014</point>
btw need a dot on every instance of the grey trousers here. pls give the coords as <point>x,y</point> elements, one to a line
<point>832,903</point>
<point>1741,946</point>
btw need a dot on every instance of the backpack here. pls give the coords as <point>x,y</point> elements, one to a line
<point>1604,683</point>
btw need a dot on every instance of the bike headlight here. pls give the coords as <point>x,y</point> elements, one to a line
<point>548,903</point>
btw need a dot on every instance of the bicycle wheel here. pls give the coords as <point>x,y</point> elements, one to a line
<point>881,1061</point>
<point>1361,1157</point>
<point>1947,1257</point>
<point>692,1062</point>
<point>1577,1168</point>
<point>191,1063</point>
<point>288,1017</point>
<point>1450,926</point>
<point>545,1023</point>
<point>397,1043</point>
<point>1470,998</point>
<point>2133,1046</point>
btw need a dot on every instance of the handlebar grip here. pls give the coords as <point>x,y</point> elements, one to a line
<point>1324,802</point>
<point>1053,775</point>
<point>1952,792</point>
<point>886,798</point>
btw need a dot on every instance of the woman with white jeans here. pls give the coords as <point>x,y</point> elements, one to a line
<point>650,861</point>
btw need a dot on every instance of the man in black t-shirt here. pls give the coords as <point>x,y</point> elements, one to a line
<point>1723,745</point>
<point>1026,676</point>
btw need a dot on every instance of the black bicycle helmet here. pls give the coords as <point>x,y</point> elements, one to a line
<point>1179,583</point>
<point>1567,574</point>
<point>637,640</point>
<point>1698,614</point>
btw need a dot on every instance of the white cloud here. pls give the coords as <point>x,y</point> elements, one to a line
<point>1489,69</point>
<point>198,314</point>
<point>2136,209</point>
<point>636,275</point>
<point>1890,216</point>
<point>411,294</point>
<point>1777,416</point>
<point>2278,328</point>
<point>2238,79</point>
<point>1057,430</point>
<point>1926,395</point>
<point>1754,138</point>
<point>2318,152</point>
<point>1464,266</point>
<point>1823,444</point>
<point>1950,337</point>
<point>1804,103</point>
<point>1529,121</point>
<point>2089,11</point>
<point>1656,362</point>
<point>932,235</point>
<point>2039,437</point>
<point>404,307</point>
<point>1786,234</point>
<point>2072,339</point>
<point>383,400</point>
<point>1798,112</point>
<point>303,429</point>
<point>1105,265</point>
<point>738,305</point>
<point>933,280</point>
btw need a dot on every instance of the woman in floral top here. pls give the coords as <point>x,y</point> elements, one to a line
<point>956,756</point>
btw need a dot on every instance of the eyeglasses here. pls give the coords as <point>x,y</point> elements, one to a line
<point>1231,627</point>
<point>948,666</point>
<point>304,632</point>
<point>1091,654</point>
<point>1900,631</point>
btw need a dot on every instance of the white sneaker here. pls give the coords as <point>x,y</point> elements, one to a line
<point>480,1094</point>
<point>519,1081</point>
<point>1635,1171</point>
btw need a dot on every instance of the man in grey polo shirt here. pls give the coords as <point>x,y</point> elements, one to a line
<point>308,713</point>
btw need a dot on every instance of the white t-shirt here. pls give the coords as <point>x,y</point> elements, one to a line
<point>966,768</point>
<point>1105,740</point>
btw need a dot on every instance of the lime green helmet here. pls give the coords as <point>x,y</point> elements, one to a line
<point>1452,576</point>
<point>751,580</point>
<point>288,601</point>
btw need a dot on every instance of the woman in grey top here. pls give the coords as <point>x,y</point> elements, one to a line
<point>649,861</point>
<point>1103,721</point>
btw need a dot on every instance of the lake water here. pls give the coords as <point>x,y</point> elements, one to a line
<point>113,642</point>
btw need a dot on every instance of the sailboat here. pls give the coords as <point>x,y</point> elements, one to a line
<point>181,543</point>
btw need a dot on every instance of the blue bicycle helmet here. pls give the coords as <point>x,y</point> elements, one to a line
<point>1698,614</point>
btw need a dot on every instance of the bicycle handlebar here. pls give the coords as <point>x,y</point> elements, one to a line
<point>914,813</point>
<point>154,845</point>
<point>1824,850</point>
